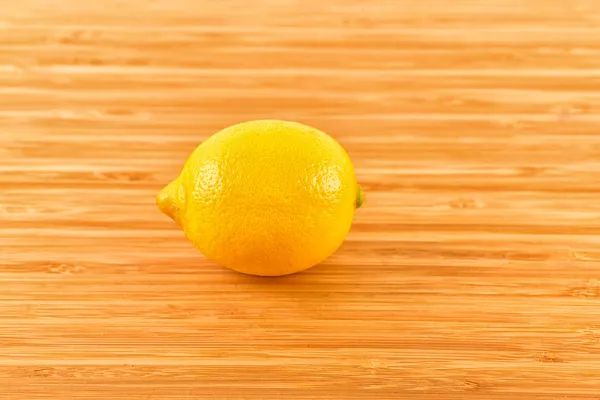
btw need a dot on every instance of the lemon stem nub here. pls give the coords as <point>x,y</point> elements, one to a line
<point>360,197</point>
<point>168,200</point>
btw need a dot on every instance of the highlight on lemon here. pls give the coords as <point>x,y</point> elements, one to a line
<point>265,197</point>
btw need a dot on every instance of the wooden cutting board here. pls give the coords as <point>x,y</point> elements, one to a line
<point>472,272</point>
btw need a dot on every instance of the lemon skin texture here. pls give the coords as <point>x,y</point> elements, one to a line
<point>265,197</point>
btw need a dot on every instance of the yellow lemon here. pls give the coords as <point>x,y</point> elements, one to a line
<point>265,197</point>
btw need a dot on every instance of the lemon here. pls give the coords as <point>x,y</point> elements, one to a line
<point>265,197</point>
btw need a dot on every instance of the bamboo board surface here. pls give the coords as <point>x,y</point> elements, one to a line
<point>472,272</point>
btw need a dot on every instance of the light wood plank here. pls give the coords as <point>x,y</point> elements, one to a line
<point>473,271</point>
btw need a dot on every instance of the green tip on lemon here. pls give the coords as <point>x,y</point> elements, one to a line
<point>360,197</point>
